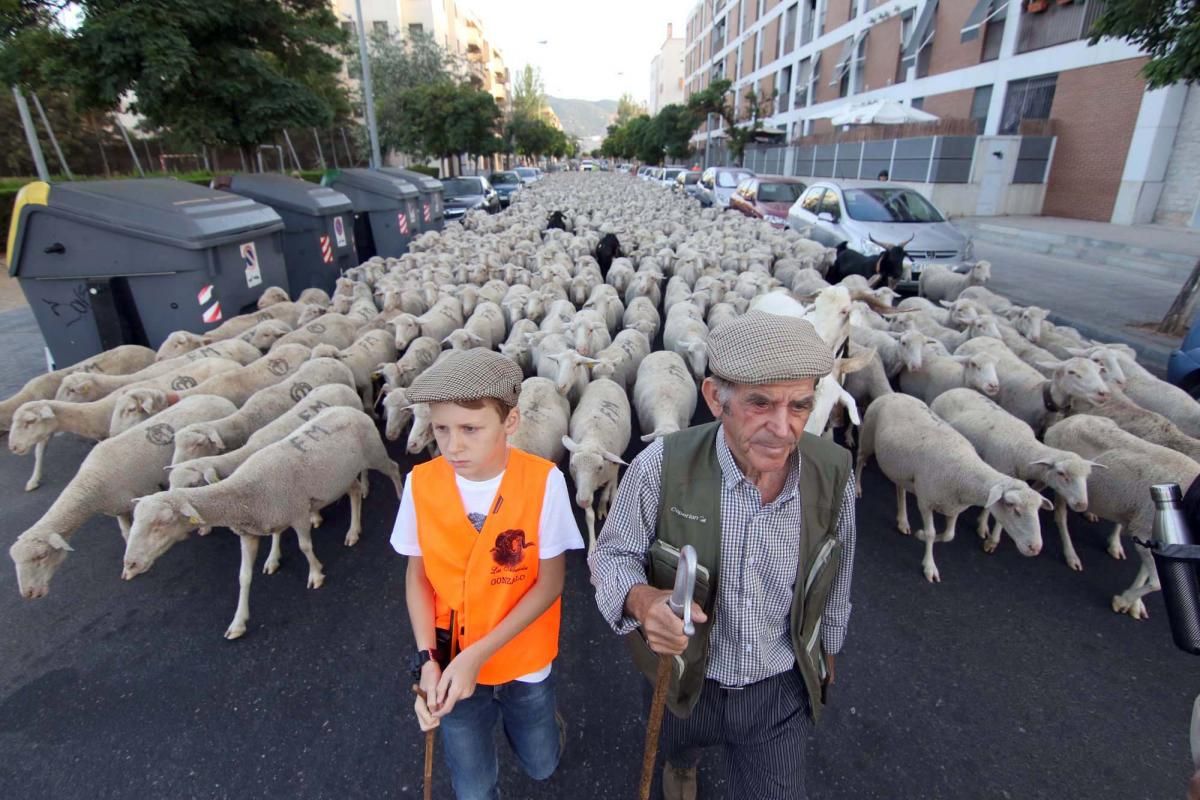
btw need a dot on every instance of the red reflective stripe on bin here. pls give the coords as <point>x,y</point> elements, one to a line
<point>204,294</point>
<point>326,250</point>
<point>213,314</point>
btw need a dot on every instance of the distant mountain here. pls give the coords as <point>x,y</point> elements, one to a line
<point>584,118</point>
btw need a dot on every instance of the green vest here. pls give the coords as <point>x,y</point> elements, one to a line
<point>689,512</point>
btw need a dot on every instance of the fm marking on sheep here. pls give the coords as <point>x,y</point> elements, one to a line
<point>161,434</point>
<point>313,410</point>
<point>183,382</point>
<point>300,390</point>
<point>278,366</point>
<point>314,434</point>
<point>610,410</point>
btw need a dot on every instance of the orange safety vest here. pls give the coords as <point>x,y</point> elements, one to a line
<point>480,577</point>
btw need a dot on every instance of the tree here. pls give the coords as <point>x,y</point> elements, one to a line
<point>628,109</point>
<point>531,137</point>
<point>716,99</point>
<point>213,71</point>
<point>528,94</point>
<point>676,125</point>
<point>1169,32</point>
<point>442,120</point>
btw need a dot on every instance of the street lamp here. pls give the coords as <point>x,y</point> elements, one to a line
<point>368,91</point>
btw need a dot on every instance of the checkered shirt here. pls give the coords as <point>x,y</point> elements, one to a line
<point>760,548</point>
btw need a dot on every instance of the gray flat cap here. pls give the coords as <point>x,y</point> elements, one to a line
<point>758,347</point>
<point>468,375</point>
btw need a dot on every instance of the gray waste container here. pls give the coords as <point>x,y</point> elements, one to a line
<point>318,232</point>
<point>432,214</point>
<point>383,210</point>
<point>105,263</point>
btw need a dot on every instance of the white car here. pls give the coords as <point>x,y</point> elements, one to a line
<point>719,183</point>
<point>667,175</point>
<point>528,174</point>
<point>587,166</point>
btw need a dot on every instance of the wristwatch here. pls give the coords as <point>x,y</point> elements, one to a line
<point>418,661</point>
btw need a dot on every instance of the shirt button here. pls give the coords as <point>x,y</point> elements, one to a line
<point>749,649</point>
<point>750,561</point>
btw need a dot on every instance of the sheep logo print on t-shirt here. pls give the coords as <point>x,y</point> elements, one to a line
<point>509,548</point>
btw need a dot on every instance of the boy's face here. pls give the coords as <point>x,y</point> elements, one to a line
<point>474,441</point>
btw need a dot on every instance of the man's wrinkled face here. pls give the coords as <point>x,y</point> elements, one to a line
<point>764,422</point>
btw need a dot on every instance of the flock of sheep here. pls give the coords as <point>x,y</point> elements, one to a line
<point>604,291</point>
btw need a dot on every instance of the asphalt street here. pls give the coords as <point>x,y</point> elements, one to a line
<point>1010,679</point>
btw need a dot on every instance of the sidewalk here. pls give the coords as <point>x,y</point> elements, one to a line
<point>1112,282</point>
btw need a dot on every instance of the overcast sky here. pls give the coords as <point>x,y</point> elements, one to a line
<point>587,45</point>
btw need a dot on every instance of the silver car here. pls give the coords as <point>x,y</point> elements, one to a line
<point>887,212</point>
<point>719,183</point>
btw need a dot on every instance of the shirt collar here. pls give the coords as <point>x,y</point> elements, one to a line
<point>732,475</point>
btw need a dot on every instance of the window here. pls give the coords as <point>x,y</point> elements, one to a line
<point>916,47</point>
<point>718,36</point>
<point>784,91</point>
<point>803,80</point>
<point>808,22</point>
<point>380,27</point>
<point>906,23</point>
<point>812,201</point>
<point>789,28</point>
<point>727,179</point>
<point>758,48</point>
<point>830,204</point>
<point>918,103</point>
<point>993,35</point>
<point>859,69</point>
<point>779,192</point>
<point>1028,99</point>
<point>889,205</point>
<point>853,9</point>
<point>980,100</point>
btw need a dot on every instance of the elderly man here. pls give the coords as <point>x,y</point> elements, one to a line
<point>770,511</point>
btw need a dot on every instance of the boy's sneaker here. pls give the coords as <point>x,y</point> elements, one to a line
<point>679,783</point>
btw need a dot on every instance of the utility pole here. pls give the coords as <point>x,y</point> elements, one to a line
<point>133,153</point>
<point>35,148</point>
<point>368,91</point>
<point>50,132</point>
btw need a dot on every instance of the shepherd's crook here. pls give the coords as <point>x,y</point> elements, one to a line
<point>428,781</point>
<point>681,603</point>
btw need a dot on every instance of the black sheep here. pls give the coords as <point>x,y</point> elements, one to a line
<point>608,249</point>
<point>557,220</point>
<point>886,266</point>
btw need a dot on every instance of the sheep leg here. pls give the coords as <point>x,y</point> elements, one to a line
<point>35,480</point>
<point>850,436</point>
<point>356,496</point>
<point>606,493</point>
<point>368,399</point>
<point>981,524</point>
<point>1130,601</point>
<point>1060,519</point>
<point>927,534</point>
<point>993,540</point>
<point>1115,549</point>
<point>237,628</point>
<point>315,519</point>
<point>126,523</point>
<point>364,482</point>
<point>590,516</point>
<point>947,534</point>
<point>316,574</point>
<point>276,554</point>
<point>902,511</point>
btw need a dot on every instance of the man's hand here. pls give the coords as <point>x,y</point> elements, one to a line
<point>430,673</point>
<point>663,630</point>
<point>828,670</point>
<point>458,681</point>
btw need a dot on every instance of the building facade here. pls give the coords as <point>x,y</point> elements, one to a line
<point>1002,68</point>
<point>666,73</point>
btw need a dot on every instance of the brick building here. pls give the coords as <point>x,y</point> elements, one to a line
<point>1120,154</point>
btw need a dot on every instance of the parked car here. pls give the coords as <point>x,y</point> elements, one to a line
<point>687,183</point>
<point>1183,366</point>
<point>645,173</point>
<point>505,184</point>
<point>527,174</point>
<point>767,197</point>
<point>890,213</point>
<point>719,184</point>
<point>587,166</point>
<point>468,194</point>
<point>667,175</point>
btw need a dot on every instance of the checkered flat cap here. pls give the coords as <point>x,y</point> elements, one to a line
<point>758,347</point>
<point>468,375</point>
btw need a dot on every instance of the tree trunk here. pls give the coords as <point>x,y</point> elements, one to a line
<point>1179,315</point>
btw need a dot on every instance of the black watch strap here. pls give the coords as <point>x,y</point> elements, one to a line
<point>419,660</point>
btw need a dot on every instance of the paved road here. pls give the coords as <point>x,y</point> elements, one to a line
<point>1104,302</point>
<point>1011,679</point>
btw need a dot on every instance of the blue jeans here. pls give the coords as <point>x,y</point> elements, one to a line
<point>468,741</point>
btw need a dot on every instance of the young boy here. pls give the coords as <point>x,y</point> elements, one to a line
<point>485,527</point>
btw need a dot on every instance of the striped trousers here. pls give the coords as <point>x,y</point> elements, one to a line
<point>762,731</point>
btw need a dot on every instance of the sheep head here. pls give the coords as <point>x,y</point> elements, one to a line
<point>1016,506</point>
<point>1107,360</point>
<point>1067,475</point>
<point>196,441</point>
<point>37,555</point>
<point>591,467</point>
<point>979,373</point>
<point>311,313</point>
<point>79,387</point>
<point>266,333</point>
<point>178,343</point>
<point>397,413</point>
<point>271,296</point>
<point>1077,378</point>
<point>33,423</point>
<point>159,522</point>
<point>136,406</point>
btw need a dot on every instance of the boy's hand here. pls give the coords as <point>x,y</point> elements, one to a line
<point>430,673</point>
<point>458,681</point>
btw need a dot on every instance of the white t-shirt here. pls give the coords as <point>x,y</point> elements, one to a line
<point>557,531</point>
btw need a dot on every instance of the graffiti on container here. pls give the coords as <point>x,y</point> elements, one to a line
<point>73,310</point>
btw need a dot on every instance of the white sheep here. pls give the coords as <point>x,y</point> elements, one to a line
<point>664,395</point>
<point>272,295</point>
<point>940,374</point>
<point>920,453</point>
<point>588,332</point>
<point>314,297</point>
<point>265,405</point>
<point>896,351</point>
<point>545,416</point>
<point>1120,492</point>
<point>419,356</point>
<point>335,329</point>
<point>938,282</point>
<point>1141,422</point>
<point>688,336</point>
<point>445,317</point>
<point>485,328</point>
<point>1147,391</point>
<point>599,434</point>
<point>363,357</point>
<point>620,361</point>
<point>1009,445</point>
<point>112,476</point>
<point>605,300</point>
<point>517,346</point>
<point>642,315</point>
<point>86,387</point>
<point>313,467</point>
<point>997,304</point>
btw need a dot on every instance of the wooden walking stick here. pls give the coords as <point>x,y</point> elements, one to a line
<point>428,781</point>
<point>681,603</point>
